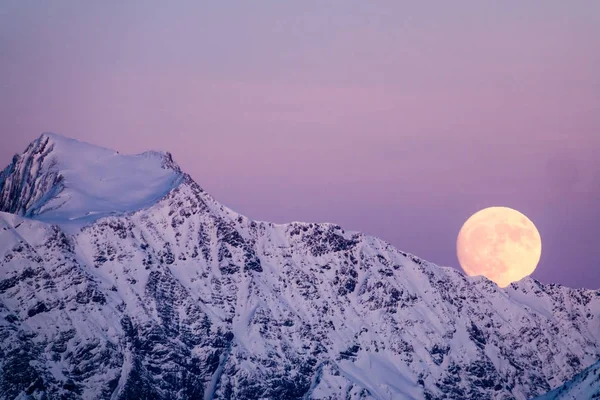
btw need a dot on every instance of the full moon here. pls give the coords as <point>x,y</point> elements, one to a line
<point>499,243</point>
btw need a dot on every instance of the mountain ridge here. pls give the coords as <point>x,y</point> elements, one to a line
<point>188,299</point>
<point>584,385</point>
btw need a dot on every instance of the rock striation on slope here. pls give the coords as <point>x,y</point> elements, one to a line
<point>179,297</point>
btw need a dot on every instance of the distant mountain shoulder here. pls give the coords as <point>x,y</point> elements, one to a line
<point>585,385</point>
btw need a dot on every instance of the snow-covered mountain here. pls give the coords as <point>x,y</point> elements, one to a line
<point>121,278</point>
<point>64,181</point>
<point>585,385</point>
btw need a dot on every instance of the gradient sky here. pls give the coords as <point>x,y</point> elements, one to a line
<point>399,119</point>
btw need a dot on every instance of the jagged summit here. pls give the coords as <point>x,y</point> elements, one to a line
<point>71,183</point>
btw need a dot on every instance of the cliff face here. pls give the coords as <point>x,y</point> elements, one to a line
<point>30,179</point>
<point>179,297</point>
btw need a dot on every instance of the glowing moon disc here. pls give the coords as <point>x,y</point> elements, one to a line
<point>499,243</point>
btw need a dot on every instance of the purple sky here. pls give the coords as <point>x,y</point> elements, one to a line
<point>397,120</point>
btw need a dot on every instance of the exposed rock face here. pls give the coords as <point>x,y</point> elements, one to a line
<point>24,184</point>
<point>185,299</point>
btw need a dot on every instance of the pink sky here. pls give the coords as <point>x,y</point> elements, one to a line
<point>398,120</point>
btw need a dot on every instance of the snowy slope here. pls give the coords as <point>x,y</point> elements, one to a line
<point>585,385</point>
<point>64,181</point>
<point>187,299</point>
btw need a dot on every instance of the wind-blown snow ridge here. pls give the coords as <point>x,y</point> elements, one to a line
<point>186,299</point>
<point>70,183</point>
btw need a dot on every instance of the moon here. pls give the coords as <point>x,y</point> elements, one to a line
<point>499,243</point>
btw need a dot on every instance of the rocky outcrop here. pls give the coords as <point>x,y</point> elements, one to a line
<point>30,179</point>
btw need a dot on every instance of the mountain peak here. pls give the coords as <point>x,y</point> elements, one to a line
<point>57,137</point>
<point>68,182</point>
<point>59,144</point>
